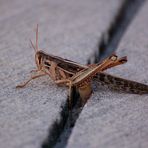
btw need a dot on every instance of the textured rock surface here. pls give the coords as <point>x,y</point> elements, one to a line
<point>111,119</point>
<point>67,28</point>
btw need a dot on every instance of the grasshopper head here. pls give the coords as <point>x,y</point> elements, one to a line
<point>38,59</point>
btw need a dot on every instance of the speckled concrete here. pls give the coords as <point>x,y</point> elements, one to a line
<point>118,120</point>
<point>66,28</point>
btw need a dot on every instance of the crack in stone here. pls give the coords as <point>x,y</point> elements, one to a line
<point>61,129</point>
<point>111,38</point>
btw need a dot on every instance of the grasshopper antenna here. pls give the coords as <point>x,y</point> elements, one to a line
<point>37,37</point>
<point>35,47</point>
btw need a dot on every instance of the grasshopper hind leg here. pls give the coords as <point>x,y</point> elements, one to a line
<point>85,93</point>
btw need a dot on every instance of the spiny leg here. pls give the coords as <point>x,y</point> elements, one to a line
<point>87,74</point>
<point>63,81</point>
<point>33,77</point>
<point>120,61</point>
<point>112,61</point>
<point>115,62</point>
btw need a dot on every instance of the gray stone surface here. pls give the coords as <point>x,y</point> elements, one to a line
<point>118,120</point>
<point>67,28</point>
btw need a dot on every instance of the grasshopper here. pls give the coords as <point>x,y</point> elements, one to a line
<point>72,74</point>
<point>58,68</point>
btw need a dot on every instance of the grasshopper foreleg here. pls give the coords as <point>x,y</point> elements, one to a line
<point>32,77</point>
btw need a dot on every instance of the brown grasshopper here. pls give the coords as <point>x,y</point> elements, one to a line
<point>58,68</point>
<point>70,73</point>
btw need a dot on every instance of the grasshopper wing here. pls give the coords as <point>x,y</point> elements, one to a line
<point>121,84</point>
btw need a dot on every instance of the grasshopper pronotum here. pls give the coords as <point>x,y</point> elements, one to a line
<point>70,73</point>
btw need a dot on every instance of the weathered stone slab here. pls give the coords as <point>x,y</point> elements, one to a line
<point>112,119</point>
<point>67,28</point>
